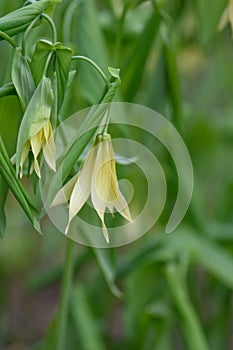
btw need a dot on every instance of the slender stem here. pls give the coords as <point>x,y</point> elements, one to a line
<point>52,25</point>
<point>47,63</point>
<point>190,324</point>
<point>87,59</point>
<point>65,296</point>
<point>8,38</point>
<point>28,30</point>
<point>120,35</point>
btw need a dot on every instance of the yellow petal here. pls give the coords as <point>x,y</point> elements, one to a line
<point>121,206</point>
<point>105,231</point>
<point>37,168</point>
<point>24,155</point>
<point>224,19</point>
<point>49,151</point>
<point>47,130</point>
<point>79,196</point>
<point>37,143</point>
<point>82,188</point>
<point>65,192</point>
<point>104,180</point>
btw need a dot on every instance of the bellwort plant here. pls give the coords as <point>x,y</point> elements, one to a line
<point>40,78</point>
<point>63,63</point>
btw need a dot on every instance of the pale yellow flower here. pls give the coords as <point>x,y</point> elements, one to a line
<point>97,179</point>
<point>42,140</point>
<point>227,16</point>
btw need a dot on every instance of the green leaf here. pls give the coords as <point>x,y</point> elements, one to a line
<point>86,325</point>
<point>3,196</point>
<point>7,90</point>
<point>215,260</point>
<point>60,58</point>
<point>39,58</point>
<point>62,66</point>
<point>172,75</point>
<point>8,173</point>
<point>134,68</point>
<point>17,21</point>
<point>22,78</point>
<point>103,258</point>
<point>36,116</point>
<point>92,46</point>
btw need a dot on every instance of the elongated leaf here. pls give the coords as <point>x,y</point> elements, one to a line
<point>36,116</point>
<point>8,173</point>
<point>134,68</point>
<point>92,46</point>
<point>3,196</point>
<point>85,323</point>
<point>172,76</point>
<point>22,78</point>
<point>204,252</point>
<point>200,249</point>
<point>7,90</point>
<point>215,260</point>
<point>62,65</point>
<point>103,258</point>
<point>17,21</point>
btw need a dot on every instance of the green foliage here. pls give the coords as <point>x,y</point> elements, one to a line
<point>162,292</point>
<point>17,21</point>
<point>22,78</point>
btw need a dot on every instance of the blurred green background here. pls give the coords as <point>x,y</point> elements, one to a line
<point>161,292</point>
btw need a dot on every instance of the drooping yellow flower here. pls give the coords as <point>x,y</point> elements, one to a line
<point>42,140</point>
<point>97,179</point>
<point>35,132</point>
<point>227,16</point>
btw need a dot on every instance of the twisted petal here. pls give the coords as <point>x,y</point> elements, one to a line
<point>24,155</point>
<point>65,192</point>
<point>121,206</point>
<point>82,187</point>
<point>36,145</point>
<point>49,149</point>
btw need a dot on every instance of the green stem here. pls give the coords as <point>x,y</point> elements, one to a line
<point>65,296</point>
<point>120,35</point>
<point>52,25</point>
<point>47,64</point>
<point>98,69</point>
<point>8,38</point>
<point>190,324</point>
<point>28,30</point>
